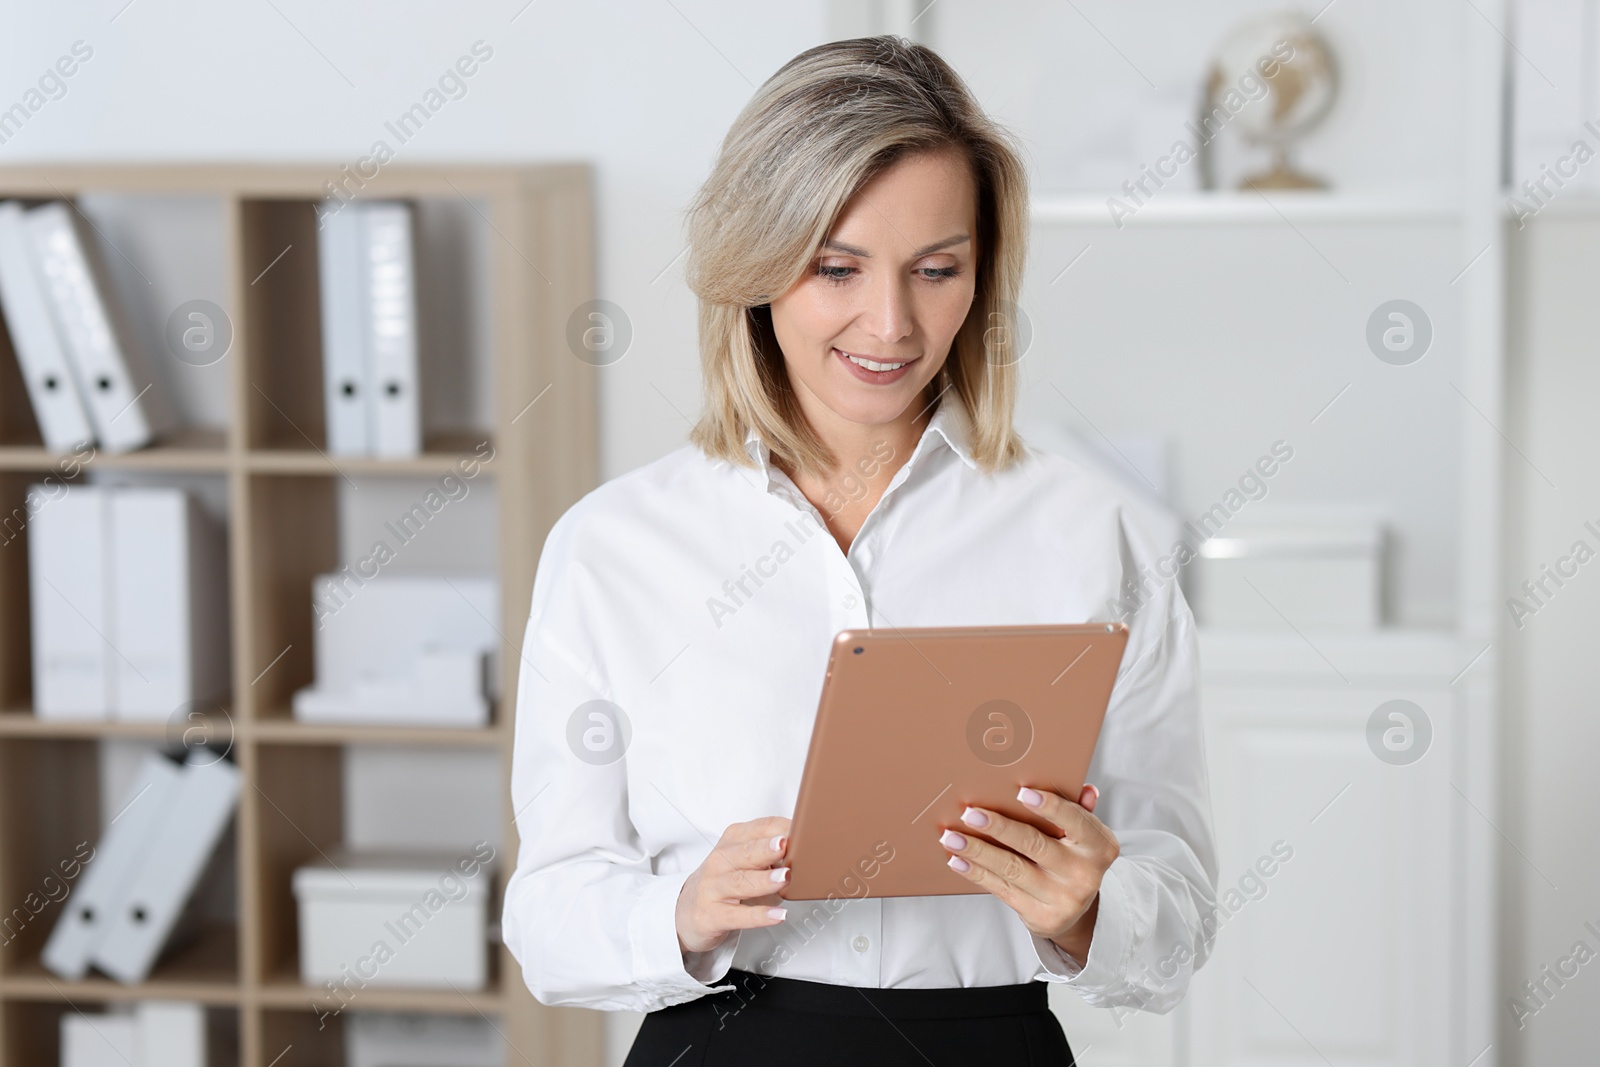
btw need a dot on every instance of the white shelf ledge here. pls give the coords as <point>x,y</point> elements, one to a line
<point>1248,209</point>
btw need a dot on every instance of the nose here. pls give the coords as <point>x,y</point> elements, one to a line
<point>888,315</point>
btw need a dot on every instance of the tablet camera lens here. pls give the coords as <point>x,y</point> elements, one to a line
<point>858,650</point>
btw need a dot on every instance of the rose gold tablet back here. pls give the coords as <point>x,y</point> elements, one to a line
<point>914,725</point>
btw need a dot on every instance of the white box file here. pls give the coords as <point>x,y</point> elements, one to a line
<point>408,919</point>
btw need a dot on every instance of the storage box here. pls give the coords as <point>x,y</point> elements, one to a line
<point>404,649</point>
<point>1315,577</point>
<point>410,919</point>
<point>385,1039</point>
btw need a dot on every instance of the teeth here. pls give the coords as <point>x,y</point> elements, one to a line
<point>870,365</point>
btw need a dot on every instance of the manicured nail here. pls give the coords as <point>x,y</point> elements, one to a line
<point>951,839</point>
<point>777,914</point>
<point>780,874</point>
<point>1031,797</point>
<point>778,843</point>
<point>1096,791</point>
<point>959,864</point>
<point>974,817</point>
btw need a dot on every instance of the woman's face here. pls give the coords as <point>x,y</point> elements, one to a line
<point>891,286</point>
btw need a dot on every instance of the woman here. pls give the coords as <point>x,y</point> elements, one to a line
<point>857,252</point>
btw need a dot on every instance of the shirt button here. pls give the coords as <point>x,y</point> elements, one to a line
<point>861,944</point>
<point>850,600</point>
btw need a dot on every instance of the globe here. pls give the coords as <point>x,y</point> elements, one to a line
<point>1285,54</point>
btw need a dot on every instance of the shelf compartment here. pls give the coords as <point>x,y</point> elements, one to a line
<point>284,393</point>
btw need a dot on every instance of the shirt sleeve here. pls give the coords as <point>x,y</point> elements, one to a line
<point>586,915</point>
<point>1150,768</point>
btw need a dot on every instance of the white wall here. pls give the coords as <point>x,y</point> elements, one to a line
<point>1550,732</point>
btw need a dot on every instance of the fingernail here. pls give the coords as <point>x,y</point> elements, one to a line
<point>777,914</point>
<point>951,839</point>
<point>778,843</point>
<point>1031,797</point>
<point>974,817</point>
<point>780,874</point>
<point>959,864</point>
<point>1096,791</point>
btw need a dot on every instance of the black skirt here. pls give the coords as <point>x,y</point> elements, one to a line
<point>777,1022</point>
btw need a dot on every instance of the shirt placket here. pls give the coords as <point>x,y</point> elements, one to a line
<point>858,953</point>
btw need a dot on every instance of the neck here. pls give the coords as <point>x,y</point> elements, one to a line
<point>860,446</point>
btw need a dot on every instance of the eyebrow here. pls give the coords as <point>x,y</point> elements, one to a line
<point>848,250</point>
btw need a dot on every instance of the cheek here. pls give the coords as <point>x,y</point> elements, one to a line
<point>809,315</point>
<point>944,310</point>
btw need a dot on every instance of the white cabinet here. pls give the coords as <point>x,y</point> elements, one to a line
<point>1343,952</point>
<point>1346,880</point>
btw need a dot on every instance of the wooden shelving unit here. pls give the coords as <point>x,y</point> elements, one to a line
<point>281,492</point>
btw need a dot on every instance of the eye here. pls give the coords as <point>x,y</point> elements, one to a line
<point>938,274</point>
<point>835,274</point>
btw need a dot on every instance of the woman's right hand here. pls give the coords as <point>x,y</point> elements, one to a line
<point>742,866</point>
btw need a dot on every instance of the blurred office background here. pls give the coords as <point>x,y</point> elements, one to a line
<point>1399,618</point>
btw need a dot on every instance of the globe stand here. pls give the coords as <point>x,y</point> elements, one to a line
<point>1281,175</point>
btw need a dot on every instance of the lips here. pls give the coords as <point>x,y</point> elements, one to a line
<point>862,366</point>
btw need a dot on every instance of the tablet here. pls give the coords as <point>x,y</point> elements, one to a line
<point>913,725</point>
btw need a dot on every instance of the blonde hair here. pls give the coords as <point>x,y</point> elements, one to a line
<point>824,125</point>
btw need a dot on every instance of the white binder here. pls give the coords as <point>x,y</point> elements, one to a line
<point>170,619</point>
<point>172,1033</point>
<point>125,406</point>
<point>121,849</point>
<point>344,347</point>
<point>103,1040</point>
<point>57,407</point>
<point>68,559</point>
<point>173,861</point>
<point>395,429</point>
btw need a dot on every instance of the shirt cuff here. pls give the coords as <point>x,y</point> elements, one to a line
<point>1109,947</point>
<point>659,967</point>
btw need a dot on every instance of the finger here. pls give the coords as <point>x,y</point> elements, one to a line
<point>965,861</point>
<point>996,863</point>
<point>1028,841</point>
<point>746,916</point>
<point>1088,797</point>
<point>1077,825</point>
<point>743,884</point>
<point>750,845</point>
<point>755,829</point>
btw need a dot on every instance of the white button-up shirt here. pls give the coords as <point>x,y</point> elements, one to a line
<point>681,621</point>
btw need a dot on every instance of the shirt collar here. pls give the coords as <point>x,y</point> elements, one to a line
<point>950,423</point>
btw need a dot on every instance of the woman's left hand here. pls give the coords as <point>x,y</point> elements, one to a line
<point>1052,883</point>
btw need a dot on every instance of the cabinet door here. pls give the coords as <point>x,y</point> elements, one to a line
<point>1341,953</point>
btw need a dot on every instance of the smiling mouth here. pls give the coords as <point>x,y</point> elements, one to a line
<point>872,365</point>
